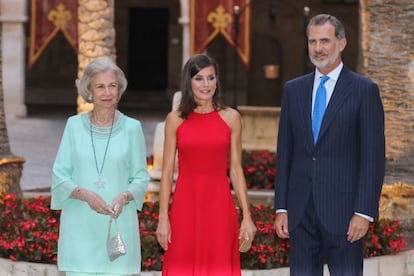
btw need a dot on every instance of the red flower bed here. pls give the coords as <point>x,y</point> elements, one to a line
<point>28,229</point>
<point>383,237</point>
<point>29,232</point>
<point>259,167</point>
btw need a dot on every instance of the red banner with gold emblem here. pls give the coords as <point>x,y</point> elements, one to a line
<point>47,18</point>
<point>210,18</point>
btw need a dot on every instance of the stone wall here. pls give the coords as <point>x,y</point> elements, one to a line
<point>388,59</point>
<point>260,127</point>
<point>401,264</point>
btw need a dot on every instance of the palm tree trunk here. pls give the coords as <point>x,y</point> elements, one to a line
<point>388,58</point>
<point>96,36</point>
<point>11,166</point>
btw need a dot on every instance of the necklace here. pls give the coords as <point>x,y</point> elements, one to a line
<point>100,183</point>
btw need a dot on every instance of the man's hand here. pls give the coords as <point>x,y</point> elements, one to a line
<point>281,225</point>
<point>358,227</point>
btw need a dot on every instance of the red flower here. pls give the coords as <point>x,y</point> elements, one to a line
<point>251,169</point>
<point>259,169</point>
<point>397,245</point>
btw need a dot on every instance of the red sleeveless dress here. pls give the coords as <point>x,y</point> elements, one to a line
<point>203,217</point>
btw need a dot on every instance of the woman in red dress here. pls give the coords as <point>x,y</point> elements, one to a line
<point>200,234</point>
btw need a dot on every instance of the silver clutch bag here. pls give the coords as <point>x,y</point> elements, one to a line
<point>115,246</point>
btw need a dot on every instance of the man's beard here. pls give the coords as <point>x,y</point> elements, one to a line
<point>328,61</point>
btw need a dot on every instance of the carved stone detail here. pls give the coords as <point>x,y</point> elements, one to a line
<point>96,36</point>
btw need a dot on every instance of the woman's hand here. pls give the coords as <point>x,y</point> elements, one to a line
<point>164,232</point>
<point>96,202</point>
<point>117,205</point>
<point>247,229</point>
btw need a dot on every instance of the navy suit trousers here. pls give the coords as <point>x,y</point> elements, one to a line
<point>312,246</point>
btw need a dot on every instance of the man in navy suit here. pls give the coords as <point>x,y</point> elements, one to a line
<point>328,186</point>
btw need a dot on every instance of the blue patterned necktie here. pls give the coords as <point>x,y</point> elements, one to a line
<point>319,108</point>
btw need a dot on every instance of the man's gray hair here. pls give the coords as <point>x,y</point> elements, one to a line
<point>321,19</point>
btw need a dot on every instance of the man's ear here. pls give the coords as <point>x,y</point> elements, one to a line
<point>342,44</point>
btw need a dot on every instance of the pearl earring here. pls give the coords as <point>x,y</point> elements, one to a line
<point>90,98</point>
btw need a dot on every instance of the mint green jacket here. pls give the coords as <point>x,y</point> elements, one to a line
<point>83,232</point>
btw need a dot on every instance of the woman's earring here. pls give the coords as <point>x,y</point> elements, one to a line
<point>90,98</point>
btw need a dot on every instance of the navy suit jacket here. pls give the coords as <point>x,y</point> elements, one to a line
<point>344,171</point>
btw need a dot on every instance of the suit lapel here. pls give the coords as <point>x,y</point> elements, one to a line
<point>305,108</point>
<point>340,93</point>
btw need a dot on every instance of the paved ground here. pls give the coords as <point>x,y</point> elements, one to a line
<point>36,138</point>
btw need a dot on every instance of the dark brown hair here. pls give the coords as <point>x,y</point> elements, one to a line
<point>191,68</point>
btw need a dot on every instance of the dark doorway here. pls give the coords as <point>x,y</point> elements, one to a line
<point>148,49</point>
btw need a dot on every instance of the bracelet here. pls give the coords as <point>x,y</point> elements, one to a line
<point>125,195</point>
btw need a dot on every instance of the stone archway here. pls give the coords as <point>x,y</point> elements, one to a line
<point>264,89</point>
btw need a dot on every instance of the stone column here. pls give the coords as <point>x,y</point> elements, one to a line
<point>388,58</point>
<point>184,20</point>
<point>96,33</point>
<point>13,16</point>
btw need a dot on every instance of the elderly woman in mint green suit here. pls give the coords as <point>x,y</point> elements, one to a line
<point>100,172</point>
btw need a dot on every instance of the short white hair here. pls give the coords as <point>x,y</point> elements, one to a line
<point>98,65</point>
